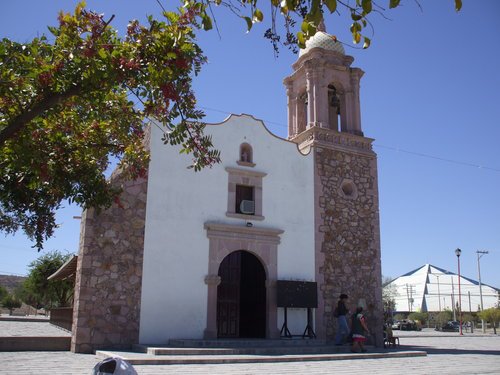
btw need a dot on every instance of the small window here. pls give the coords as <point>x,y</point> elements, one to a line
<point>244,192</point>
<point>246,155</point>
<point>245,200</point>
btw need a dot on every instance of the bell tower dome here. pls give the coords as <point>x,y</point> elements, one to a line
<point>323,90</point>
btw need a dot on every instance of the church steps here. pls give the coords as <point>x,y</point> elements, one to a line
<point>244,350</point>
<point>239,343</point>
<point>147,359</point>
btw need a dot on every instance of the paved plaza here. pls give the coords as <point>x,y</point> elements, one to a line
<point>448,353</point>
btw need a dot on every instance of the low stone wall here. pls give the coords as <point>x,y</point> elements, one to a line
<point>62,317</point>
<point>35,343</point>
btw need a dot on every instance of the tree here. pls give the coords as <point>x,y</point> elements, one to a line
<point>443,317</point>
<point>45,293</point>
<point>65,110</point>
<point>3,292</point>
<point>491,315</point>
<point>422,317</point>
<point>11,303</point>
<point>389,294</point>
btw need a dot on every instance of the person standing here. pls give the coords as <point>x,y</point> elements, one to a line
<point>359,329</point>
<point>341,313</point>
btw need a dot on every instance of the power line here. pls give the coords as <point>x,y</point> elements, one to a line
<point>397,149</point>
<point>468,164</point>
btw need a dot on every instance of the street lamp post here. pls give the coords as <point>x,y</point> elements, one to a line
<point>479,255</point>
<point>457,253</point>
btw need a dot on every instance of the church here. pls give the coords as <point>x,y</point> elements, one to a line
<point>259,246</point>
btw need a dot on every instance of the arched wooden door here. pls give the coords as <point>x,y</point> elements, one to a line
<point>241,297</point>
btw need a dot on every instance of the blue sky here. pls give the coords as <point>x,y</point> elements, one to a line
<point>429,97</point>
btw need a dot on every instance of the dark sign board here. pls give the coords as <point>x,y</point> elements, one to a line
<point>302,294</point>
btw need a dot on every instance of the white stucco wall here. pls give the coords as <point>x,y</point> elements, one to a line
<point>180,201</point>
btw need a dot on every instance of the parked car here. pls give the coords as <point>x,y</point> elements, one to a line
<point>451,326</point>
<point>396,324</point>
<point>410,325</point>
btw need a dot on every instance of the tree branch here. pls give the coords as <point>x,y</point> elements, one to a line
<point>48,102</point>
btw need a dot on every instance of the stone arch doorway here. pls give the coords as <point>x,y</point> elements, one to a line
<point>241,297</point>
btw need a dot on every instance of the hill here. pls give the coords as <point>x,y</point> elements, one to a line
<point>10,282</point>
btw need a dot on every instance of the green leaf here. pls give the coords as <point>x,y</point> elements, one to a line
<point>53,30</point>
<point>331,5</point>
<point>304,26</point>
<point>356,37</point>
<point>258,16</point>
<point>367,6</point>
<point>207,22</point>
<point>394,3</point>
<point>249,23</point>
<point>367,43</point>
<point>301,40</point>
<point>458,5</point>
<point>356,17</point>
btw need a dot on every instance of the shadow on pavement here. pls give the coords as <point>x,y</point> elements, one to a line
<point>434,350</point>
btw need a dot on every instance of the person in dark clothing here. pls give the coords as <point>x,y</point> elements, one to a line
<point>359,330</point>
<point>341,313</point>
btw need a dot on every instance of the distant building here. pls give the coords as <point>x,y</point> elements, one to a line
<point>430,288</point>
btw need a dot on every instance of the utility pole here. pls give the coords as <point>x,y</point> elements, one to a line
<point>439,293</point>
<point>479,255</point>
<point>409,295</point>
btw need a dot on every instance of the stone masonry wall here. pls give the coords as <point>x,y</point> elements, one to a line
<point>348,223</point>
<point>109,273</point>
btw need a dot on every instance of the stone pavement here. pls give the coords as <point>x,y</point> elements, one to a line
<point>448,353</point>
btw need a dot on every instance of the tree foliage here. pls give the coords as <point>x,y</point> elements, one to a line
<point>389,295</point>
<point>39,291</point>
<point>65,110</point>
<point>70,106</point>
<point>491,315</point>
<point>3,292</point>
<point>422,317</point>
<point>10,302</point>
<point>307,15</point>
<point>443,317</point>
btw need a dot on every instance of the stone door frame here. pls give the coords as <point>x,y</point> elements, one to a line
<point>261,242</point>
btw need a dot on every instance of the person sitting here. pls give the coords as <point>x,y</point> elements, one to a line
<point>390,338</point>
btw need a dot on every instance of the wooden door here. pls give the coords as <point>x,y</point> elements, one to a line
<point>241,297</point>
<point>228,297</point>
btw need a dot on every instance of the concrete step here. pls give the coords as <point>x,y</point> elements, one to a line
<point>242,343</point>
<point>242,350</point>
<point>148,359</point>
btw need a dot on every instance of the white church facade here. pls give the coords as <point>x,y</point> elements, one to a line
<point>202,255</point>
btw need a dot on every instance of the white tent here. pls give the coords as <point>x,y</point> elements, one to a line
<point>430,288</point>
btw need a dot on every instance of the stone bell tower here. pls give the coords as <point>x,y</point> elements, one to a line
<point>324,117</point>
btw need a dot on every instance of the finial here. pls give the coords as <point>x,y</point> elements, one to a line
<point>321,26</point>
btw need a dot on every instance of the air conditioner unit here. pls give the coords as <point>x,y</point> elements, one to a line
<point>247,207</point>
